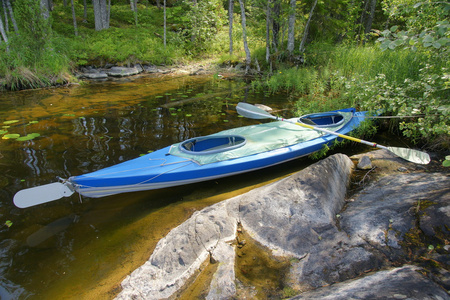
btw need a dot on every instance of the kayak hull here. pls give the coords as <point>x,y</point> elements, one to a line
<point>161,169</point>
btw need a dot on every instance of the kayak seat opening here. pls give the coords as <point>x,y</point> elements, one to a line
<point>212,144</point>
<point>328,119</point>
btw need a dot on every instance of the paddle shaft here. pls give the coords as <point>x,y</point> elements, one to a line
<point>333,133</point>
<point>415,156</point>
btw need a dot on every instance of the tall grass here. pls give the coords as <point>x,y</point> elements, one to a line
<point>399,82</point>
<point>330,71</point>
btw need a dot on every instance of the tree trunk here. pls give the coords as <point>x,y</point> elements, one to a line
<point>305,33</point>
<point>268,32</point>
<point>370,16</point>
<point>85,12</point>
<point>6,26</point>
<point>133,4</point>
<point>44,9</point>
<point>165,25</point>
<point>248,58</point>
<point>101,14</point>
<point>74,17</point>
<point>291,29</point>
<point>276,24</point>
<point>230,21</point>
<point>363,18</point>
<point>3,33</point>
<point>11,15</point>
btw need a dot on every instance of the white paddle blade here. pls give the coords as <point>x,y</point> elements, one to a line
<point>41,194</point>
<point>411,155</point>
<point>252,112</point>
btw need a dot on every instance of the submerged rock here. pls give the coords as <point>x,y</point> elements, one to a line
<point>331,244</point>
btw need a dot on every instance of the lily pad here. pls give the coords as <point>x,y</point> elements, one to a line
<point>3,131</point>
<point>28,137</point>
<point>10,122</point>
<point>11,136</point>
<point>33,122</point>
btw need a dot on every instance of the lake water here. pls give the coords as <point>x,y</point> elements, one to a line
<point>80,248</point>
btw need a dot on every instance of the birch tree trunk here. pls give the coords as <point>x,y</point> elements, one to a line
<point>165,25</point>
<point>11,15</point>
<point>74,17</point>
<point>248,58</point>
<point>44,9</point>
<point>230,21</point>
<point>133,4</point>
<point>3,32</point>
<point>6,26</point>
<point>268,31</point>
<point>305,33</point>
<point>101,14</point>
<point>291,28</point>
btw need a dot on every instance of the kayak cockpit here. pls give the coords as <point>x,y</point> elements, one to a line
<point>328,119</point>
<point>212,144</point>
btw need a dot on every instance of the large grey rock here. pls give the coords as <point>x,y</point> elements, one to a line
<point>277,207</point>
<point>332,243</point>
<point>399,283</point>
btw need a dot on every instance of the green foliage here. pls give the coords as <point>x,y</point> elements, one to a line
<point>204,18</point>
<point>446,162</point>
<point>36,57</point>
<point>437,39</point>
<point>417,16</point>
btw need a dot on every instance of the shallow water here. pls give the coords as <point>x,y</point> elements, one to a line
<point>77,248</point>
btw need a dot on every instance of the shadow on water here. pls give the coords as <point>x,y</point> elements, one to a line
<point>83,248</point>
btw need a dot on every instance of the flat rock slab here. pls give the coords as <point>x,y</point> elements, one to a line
<point>332,242</point>
<point>399,283</point>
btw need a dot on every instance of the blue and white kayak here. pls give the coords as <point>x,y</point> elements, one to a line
<point>222,154</point>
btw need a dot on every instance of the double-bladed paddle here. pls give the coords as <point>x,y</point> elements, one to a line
<point>253,112</point>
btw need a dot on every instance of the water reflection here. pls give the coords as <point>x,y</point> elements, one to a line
<point>65,248</point>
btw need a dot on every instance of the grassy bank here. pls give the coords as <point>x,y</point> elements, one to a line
<point>398,83</point>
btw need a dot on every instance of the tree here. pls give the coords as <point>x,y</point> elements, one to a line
<point>134,8</point>
<point>305,32</point>
<point>7,6</point>
<point>45,8</point>
<point>101,14</point>
<point>165,25</point>
<point>3,33</point>
<point>268,18</point>
<point>230,22</point>
<point>248,58</point>
<point>291,29</point>
<point>74,18</point>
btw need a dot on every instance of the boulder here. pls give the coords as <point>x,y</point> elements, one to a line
<point>406,282</point>
<point>265,211</point>
<point>337,247</point>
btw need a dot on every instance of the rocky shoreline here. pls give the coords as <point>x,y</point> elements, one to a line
<point>110,71</point>
<point>390,240</point>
